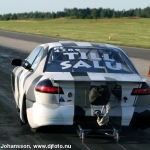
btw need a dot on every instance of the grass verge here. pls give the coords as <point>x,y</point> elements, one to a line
<point>125,31</point>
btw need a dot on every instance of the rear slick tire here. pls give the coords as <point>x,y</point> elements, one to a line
<point>34,130</point>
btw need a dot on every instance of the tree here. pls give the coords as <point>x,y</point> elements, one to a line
<point>80,13</point>
<point>147,12</point>
<point>103,13</point>
<point>67,11</point>
<point>14,17</point>
<point>74,13</point>
<point>48,15</point>
<point>60,14</point>
<point>53,15</point>
<point>94,13</point>
<point>1,17</point>
<point>87,12</point>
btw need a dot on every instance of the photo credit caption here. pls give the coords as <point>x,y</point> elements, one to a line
<point>49,146</point>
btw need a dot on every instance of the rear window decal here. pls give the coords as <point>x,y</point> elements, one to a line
<point>81,64</point>
<point>71,55</point>
<point>94,58</point>
<point>113,66</point>
<point>65,64</point>
<point>88,59</point>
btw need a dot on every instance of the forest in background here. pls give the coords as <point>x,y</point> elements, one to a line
<point>75,13</point>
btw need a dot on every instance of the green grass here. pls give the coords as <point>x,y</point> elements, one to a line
<point>125,31</point>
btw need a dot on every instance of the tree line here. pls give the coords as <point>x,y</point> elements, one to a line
<point>75,13</point>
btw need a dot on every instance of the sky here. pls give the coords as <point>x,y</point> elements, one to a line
<point>19,6</point>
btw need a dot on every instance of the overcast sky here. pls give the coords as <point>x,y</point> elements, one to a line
<point>17,6</point>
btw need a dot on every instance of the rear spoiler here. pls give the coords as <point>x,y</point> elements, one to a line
<point>89,77</point>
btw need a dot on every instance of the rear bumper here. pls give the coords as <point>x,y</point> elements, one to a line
<point>44,115</point>
<point>141,120</point>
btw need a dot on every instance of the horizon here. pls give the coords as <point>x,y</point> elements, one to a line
<point>77,8</point>
<point>21,6</point>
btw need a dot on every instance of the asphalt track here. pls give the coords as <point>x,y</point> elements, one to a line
<point>11,132</point>
<point>130,51</point>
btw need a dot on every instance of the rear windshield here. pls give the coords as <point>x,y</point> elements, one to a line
<point>83,59</point>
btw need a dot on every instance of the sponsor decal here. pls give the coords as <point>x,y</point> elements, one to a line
<point>61,99</point>
<point>110,63</point>
<point>68,100</point>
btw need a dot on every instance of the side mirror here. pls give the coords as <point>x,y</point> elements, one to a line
<point>16,62</point>
<point>26,65</point>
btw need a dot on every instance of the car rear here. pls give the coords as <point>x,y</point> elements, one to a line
<point>70,74</point>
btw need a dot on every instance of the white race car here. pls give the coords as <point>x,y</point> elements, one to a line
<point>52,85</point>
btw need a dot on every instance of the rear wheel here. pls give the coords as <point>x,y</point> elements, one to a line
<point>24,110</point>
<point>51,129</point>
<point>18,109</point>
<point>34,129</point>
<point>21,122</point>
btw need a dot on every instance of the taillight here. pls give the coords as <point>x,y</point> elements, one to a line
<point>141,91</point>
<point>46,86</point>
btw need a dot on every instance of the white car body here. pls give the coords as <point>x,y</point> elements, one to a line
<point>43,109</point>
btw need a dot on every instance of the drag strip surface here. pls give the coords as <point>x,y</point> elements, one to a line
<point>12,133</point>
<point>27,37</point>
<point>131,51</point>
